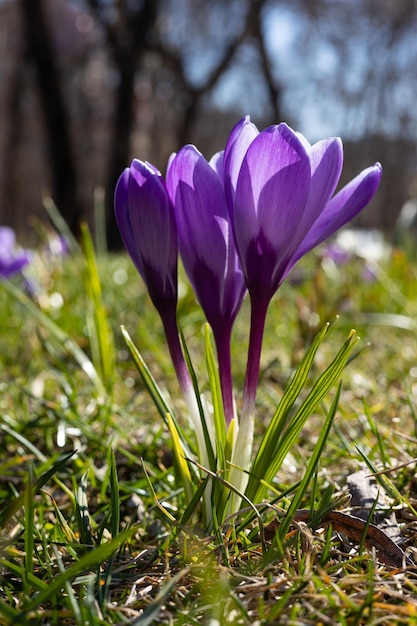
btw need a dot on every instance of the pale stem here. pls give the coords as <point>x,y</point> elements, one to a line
<point>169,320</point>
<point>242,451</point>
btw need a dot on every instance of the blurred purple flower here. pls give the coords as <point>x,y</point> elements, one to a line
<point>207,248</point>
<point>12,260</point>
<point>336,253</point>
<point>368,274</point>
<point>280,195</point>
<point>146,220</point>
<point>58,246</point>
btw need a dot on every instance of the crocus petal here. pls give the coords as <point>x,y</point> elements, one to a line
<point>197,193</point>
<point>343,207</point>
<point>146,222</point>
<point>205,237</point>
<point>270,197</point>
<point>237,145</point>
<point>147,191</point>
<point>217,163</point>
<point>326,161</point>
<point>123,219</point>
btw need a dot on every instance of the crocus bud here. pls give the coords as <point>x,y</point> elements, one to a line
<point>146,221</point>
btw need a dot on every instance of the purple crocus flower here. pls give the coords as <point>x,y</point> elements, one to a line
<point>146,221</point>
<point>207,249</point>
<point>11,259</point>
<point>280,195</point>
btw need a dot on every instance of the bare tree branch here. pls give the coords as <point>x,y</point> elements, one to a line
<point>194,94</point>
<point>258,31</point>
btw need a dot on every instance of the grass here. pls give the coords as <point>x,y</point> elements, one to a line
<point>94,527</point>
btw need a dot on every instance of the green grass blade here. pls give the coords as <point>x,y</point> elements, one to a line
<point>29,509</point>
<point>18,502</point>
<point>267,448</point>
<point>231,488</point>
<point>82,512</point>
<point>326,381</point>
<point>150,615</point>
<point>267,467</point>
<point>25,442</point>
<point>154,391</point>
<point>65,342</point>
<point>217,402</point>
<point>147,378</point>
<point>115,518</point>
<point>292,392</point>
<point>114,496</point>
<point>158,503</point>
<point>386,483</point>
<point>311,467</point>
<point>179,458</point>
<point>35,582</point>
<point>194,502</point>
<point>385,457</point>
<point>72,599</point>
<point>207,440</point>
<point>89,561</point>
<point>60,224</point>
<point>67,532</point>
<point>100,333</point>
<point>9,612</point>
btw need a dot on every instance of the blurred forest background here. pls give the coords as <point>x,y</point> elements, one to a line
<point>86,85</point>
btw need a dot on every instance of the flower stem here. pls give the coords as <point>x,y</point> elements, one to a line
<point>169,320</point>
<point>242,451</point>
<point>222,340</point>
<point>259,309</point>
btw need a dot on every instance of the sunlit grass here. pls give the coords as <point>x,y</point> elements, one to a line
<point>94,523</point>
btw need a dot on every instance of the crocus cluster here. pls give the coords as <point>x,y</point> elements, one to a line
<point>12,260</point>
<point>240,222</point>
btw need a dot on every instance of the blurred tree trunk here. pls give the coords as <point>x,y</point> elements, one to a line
<point>252,29</point>
<point>14,117</point>
<point>40,51</point>
<point>127,40</point>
